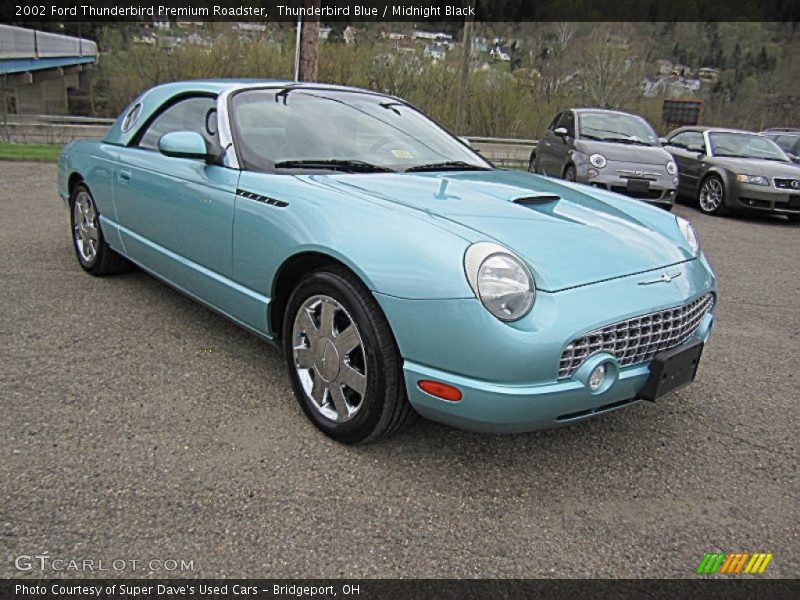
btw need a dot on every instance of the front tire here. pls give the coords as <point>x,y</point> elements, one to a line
<point>532,163</point>
<point>711,196</point>
<point>93,252</point>
<point>570,174</point>
<point>343,361</point>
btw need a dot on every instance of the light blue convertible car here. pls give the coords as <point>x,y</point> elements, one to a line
<point>399,271</point>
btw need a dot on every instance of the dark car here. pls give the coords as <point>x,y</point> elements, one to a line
<point>608,149</point>
<point>787,139</point>
<point>730,170</point>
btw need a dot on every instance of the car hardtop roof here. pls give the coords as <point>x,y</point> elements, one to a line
<point>152,99</point>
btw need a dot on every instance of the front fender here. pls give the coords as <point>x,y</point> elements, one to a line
<point>396,251</point>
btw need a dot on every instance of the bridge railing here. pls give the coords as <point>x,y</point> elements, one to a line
<point>19,42</point>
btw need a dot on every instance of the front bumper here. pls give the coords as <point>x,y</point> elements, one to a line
<point>615,176</point>
<point>507,372</point>
<point>765,199</point>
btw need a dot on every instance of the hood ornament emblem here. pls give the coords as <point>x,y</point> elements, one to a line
<point>665,278</point>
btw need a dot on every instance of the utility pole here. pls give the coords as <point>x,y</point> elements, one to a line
<point>463,84</point>
<point>309,46</point>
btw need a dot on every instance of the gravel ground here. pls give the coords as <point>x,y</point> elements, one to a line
<point>137,425</point>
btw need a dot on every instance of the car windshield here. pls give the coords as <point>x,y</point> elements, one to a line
<point>348,131</point>
<point>745,145</point>
<point>615,127</point>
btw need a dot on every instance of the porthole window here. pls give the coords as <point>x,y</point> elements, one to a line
<point>131,117</point>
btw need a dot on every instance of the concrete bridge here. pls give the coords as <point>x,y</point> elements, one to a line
<point>41,72</point>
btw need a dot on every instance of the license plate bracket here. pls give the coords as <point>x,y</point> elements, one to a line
<point>671,370</point>
<point>638,185</point>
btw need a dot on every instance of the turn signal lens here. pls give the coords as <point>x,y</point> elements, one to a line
<point>440,390</point>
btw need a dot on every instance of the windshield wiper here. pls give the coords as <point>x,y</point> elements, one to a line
<point>619,140</point>
<point>333,165</point>
<point>454,165</point>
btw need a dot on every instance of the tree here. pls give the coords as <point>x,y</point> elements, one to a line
<point>309,45</point>
<point>609,77</point>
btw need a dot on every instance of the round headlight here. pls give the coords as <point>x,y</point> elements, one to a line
<point>672,168</point>
<point>500,280</point>
<point>689,233</point>
<point>598,160</point>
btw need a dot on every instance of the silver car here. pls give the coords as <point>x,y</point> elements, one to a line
<point>612,150</point>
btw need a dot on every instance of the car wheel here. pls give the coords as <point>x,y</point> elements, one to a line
<point>569,173</point>
<point>711,197</point>
<point>793,218</point>
<point>344,363</point>
<point>532,163</point>
<point>93,252</point>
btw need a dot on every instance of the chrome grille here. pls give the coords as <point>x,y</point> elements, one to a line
<point>638,339</point>
<point>786,183</point>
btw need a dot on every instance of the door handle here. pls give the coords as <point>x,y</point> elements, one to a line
<point>124,176</point>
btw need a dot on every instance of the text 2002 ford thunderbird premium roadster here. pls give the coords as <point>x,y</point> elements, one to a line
<point>398,270</point>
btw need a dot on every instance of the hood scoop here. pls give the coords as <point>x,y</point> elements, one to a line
<point>535,200</point>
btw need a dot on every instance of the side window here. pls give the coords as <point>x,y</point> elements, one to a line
<point>678,141</point>
<point>695,142</point>
<point>786,142</point>
<point>692,141</point>
<point>568,122</point>
<point>186,115</point>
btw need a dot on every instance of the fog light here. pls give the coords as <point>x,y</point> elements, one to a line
<point>675,181</point>
<point>592,172</point>
<point>597,377</point>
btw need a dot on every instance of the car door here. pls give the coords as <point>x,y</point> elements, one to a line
<point>545,148</point>
<point>176,214</point>
<point>562,145</point>
<point>688,148</point>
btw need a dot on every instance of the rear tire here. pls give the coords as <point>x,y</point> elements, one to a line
<point>343,361</point>
<point>93,252</point>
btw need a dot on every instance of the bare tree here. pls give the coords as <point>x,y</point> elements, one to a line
<point>609,75</point>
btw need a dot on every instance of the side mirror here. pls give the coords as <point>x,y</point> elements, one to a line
<point>560,131</point>
<point>183,144</point>
<point>465,140</point>
<point>663,141</point>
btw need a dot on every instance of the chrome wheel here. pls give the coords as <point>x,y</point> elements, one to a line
<point>711,195</point>
<point>329,358</point>
<point>85,228</point>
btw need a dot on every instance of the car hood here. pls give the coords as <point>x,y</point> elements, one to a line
<point>755,166</point>
<point>645,155</point>
<point>570,236</point>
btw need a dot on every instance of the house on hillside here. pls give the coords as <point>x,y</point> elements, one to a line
<point>435,52</point>
<point>708,74</point>
<point>664,66</point>
<point>501,53</point>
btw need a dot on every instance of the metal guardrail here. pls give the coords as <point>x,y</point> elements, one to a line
<point>60,129</point>
<point>19,42</point>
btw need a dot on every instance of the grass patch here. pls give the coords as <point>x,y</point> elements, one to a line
<point>33,152</point>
